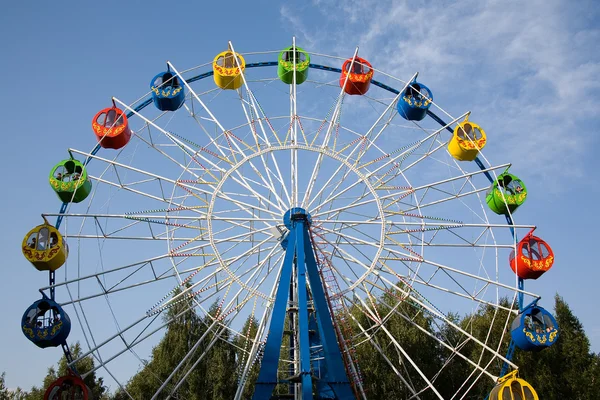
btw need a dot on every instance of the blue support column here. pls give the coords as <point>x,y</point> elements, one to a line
<point>319,367</point>
<point>305,369</point>
<point>292,340</point>
<point>267,377</point>
<point>334,383</point>
<point>335,370</point>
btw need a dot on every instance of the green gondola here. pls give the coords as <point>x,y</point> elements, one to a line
<point>68,177</point>
<point>507,193</point>
<point>285,68</point>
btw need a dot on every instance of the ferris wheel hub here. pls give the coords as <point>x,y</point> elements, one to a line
<point>296,214</point>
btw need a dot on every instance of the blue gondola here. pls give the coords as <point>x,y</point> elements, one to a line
<point>415,101</point>
<point>534,329</point>
<point>46,324</point>
<point>168,92</point>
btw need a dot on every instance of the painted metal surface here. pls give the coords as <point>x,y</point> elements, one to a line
<point>70,181</point>
<point>300,258</point>
<point>168,94</point>
<point>45,248</point>
<point>111,128</point>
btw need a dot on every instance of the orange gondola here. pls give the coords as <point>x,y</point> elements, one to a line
<point>359,78</point>
<point>534,257</point>
<point>111,128</point>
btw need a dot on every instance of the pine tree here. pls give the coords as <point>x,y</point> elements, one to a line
<point>83,366</point>
<point>567,369</point>
<point>593,376</point>
<point>206,374</point>
<point>220,377</point>
<point>404,323</point>
<point>184,330</point>
<point>3,389</point>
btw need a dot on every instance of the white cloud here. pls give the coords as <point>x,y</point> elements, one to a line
<point>297,26</point>
<point>530,71</point>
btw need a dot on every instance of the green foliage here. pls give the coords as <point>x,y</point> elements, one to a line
<point>5,394</point>
<point>3,388</point>
<point>183,332</point>
<point>567,370</point>
<point>85,365</point>
<point>488,325</point>
<point>220,378</point>
<point>404,323</point>
<point>212,377</point>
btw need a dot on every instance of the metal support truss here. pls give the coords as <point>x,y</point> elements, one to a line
<point>300,265</point>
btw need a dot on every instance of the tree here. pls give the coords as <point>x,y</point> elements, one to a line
<point>220,377</point>
<point>6,394</point>
<point>567,369</point>
<point>83,366</point>
<point>593,376</point>
<point>207,373</point>
<point>404,322</point>
<point>37,393</point>
<point>18,394</point>
<point>184,330</point>
<point>3,389</point>
<point>488,326</point>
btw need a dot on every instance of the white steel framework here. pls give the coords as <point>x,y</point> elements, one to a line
<point>192,209</point>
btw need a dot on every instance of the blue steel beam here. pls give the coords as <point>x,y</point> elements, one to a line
<point>335,374</point>
<point>292,341</point>
<point>319,367</point>
<point>299,253</point>
<point>305,370</point>
<point>267,377</point>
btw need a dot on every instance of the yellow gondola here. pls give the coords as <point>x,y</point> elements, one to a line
<point>45,248</point>
<point>510,387</point>
<point>227,74</point>
<point>467,140</point>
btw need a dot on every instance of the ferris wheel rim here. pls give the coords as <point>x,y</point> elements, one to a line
<point>320,150</point>
<point>296,147</point>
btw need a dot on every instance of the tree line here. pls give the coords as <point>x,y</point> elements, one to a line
<point>566,370</point>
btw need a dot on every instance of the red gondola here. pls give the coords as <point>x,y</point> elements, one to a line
<point>111,128</point>
<point>68,387</point>
<point>359,79</point>
<point>534,257</point>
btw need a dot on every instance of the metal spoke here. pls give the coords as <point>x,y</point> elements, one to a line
<point>189,217</point>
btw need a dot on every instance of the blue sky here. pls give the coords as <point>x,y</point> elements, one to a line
<point>529,72</point>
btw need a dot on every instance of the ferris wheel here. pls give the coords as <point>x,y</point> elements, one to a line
<point>315,195</point>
